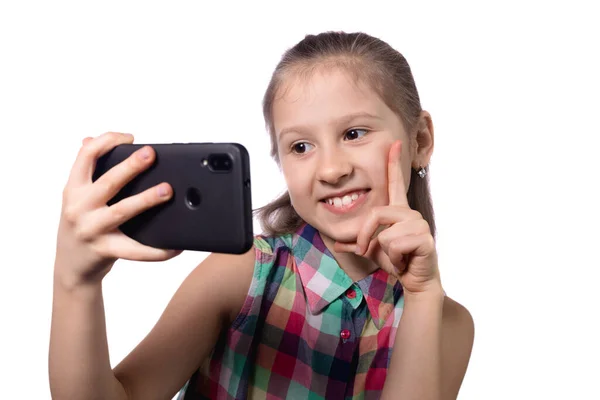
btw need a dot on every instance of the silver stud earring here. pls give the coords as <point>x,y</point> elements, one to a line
<point>422,172</point>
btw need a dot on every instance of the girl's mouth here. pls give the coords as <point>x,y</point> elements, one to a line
<point>347,202</point>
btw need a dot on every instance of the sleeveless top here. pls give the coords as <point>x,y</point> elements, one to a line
<point>305,331</point>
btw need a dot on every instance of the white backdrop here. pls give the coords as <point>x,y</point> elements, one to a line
<point>513,91</point>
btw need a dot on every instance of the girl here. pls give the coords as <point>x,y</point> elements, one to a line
<point>340,298</point>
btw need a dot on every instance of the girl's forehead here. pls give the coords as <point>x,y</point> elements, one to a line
<point>325,96</point>
<point>321,82</point>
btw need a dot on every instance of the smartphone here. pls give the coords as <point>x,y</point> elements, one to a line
<point>211,206</point>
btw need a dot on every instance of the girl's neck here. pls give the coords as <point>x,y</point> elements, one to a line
<point>356,267</point>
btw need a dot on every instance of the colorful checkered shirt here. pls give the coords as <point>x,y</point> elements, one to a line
<point>305,331</point>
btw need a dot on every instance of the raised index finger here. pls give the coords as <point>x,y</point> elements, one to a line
<point>396,187</point>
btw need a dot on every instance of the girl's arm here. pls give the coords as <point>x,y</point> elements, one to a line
<point>160,365</point>
<point>435,334</point>
<point>79,365</point>
<point>432,349</point>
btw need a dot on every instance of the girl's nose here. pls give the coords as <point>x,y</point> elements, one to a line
<point>333,167</point>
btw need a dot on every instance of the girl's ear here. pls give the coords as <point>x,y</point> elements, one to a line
<point>423,143</point>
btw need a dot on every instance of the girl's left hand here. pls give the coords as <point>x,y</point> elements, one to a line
<point>404,247</point>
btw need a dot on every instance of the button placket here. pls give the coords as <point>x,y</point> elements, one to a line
<point>346,329</point>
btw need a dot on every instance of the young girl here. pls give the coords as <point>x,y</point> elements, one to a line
<point>340,298</point>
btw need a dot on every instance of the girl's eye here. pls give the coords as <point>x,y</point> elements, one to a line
<point>354,134</point>
<point>301,147</point>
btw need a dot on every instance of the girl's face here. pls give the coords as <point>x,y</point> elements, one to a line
<point>333,136</point>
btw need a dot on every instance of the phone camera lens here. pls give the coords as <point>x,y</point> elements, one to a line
<point>192,198</point>
<point>220,162</point>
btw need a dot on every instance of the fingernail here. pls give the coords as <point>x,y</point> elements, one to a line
<point>162,191</point>
<point>145,153</point>
<point>357,250</point>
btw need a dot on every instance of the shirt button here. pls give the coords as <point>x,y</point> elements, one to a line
<point>345,334</point>
<point>351,293</point>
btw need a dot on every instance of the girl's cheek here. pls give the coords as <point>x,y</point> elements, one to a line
<point>380,158</point>
<point>376,167</point>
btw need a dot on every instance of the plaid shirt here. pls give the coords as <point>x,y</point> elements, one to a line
<point>305,331</point>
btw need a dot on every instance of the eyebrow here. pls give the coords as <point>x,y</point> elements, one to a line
<point>344,120</point>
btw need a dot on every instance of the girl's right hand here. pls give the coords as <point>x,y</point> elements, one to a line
<point>89,240</point>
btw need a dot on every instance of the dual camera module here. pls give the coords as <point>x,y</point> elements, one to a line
<point>219,162</point>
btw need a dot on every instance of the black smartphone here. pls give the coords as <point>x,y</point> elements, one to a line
<point>211,206</point>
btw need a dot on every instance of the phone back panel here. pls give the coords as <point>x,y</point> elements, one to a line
<point>209,210</point>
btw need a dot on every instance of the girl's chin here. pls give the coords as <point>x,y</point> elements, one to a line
<point>339,232</point>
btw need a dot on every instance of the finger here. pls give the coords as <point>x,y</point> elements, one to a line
<point>113,180</point>
<point>380,219</point>
<point>118,245</point>
<point>382,259</point>
<point>394,269</point>
<point>379,229</point>
<point>400,230</point>
<point>396,187</point>
<point>415,246</point>
<point>352,247</point>
<point>84,164</point>
<point>107,219</point>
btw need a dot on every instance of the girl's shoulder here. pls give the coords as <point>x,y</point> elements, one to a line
<point>269,252</point>
<point>267,246</point>
<point>297,242</point>
<point>250,272</point>
<point>264,250</point>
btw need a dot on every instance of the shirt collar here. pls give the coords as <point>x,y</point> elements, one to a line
<point>324,280</point>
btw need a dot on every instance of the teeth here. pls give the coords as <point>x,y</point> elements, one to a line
<point>338,202</point>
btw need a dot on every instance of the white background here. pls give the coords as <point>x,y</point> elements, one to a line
<point>513,91</point>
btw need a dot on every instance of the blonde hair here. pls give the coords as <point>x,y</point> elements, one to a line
<point>369,60</point>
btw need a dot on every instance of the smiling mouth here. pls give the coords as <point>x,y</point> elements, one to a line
<point>346,200</point>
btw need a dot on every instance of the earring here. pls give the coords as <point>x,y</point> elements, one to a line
<point>422,172</point>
